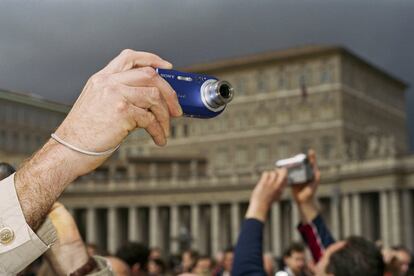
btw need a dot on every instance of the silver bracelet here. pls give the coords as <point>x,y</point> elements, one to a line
<point>72,147</point>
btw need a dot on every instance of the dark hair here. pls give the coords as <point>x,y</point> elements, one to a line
<point>6,170</point>
<point>294,247</point>
<point>358,257</point>
<point>193,254</point>
<point>160,263</point>
<point>134,253</point>
<point>229,250</point>
<point>206,257</point>
<point>401,248</point>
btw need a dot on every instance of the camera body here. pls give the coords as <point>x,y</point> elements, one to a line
<point>299,169</point>
<point>200,96</point>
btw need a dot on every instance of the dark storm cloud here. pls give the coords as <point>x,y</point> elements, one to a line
<point>51,47</point>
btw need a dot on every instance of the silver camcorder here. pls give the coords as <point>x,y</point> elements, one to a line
<point>299,169</point>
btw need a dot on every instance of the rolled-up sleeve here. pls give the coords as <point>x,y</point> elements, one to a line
<point>19,245</point>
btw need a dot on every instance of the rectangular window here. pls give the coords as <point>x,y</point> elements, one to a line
<point>262,153</point>
<point>241,155</point>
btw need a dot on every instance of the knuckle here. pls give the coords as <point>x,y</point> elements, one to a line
<point>97,79</point>
<point>145,119</point>
<point>108,90</point>
<point>127,52</point>
<point>149,72</point>
<point>121,106</point>
<point>150,118</point>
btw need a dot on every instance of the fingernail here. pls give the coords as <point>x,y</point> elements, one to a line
<point>168,64</point>
<point>179,111</point>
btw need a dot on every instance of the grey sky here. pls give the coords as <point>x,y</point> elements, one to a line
<point>50,48</point>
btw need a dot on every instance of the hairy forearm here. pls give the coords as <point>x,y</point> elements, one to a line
<point>43,178</point>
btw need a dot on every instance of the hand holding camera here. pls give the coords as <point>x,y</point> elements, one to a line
<point>268,189</point>
<point>304,178</point>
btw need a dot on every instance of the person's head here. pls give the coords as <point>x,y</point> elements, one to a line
<point>155,253</point>
<point>93,249</point>
<point>294,258</point>
<point>135,255</point>
<point>354,256</point>
<point>6,170</point>
<point>203,266</point>
<point>118,266</point>
<point>228,259</point>
<point>156,267</point>
<point>188,259</point>
<point>403,256</point>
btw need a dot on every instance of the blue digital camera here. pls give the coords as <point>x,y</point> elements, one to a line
<point>200,96</point>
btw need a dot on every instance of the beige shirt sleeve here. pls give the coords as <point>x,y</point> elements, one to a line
<point>19,245</point>
<point>103,266</point>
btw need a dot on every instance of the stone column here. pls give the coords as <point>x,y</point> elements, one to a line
<point>174,224</point>
<point>91,225</point>
<point>275,218</point>
<point>395,217</point>
<point>335,219</point>
<point>154,227</point>
<point>133,224</point>
<point>346,215</point>
<point>407,207</point>
<point>113,225</point>
<point>215,220</point>
<point>384,218</point>
<point>235,221</point>
<point>356,214</point>
<point>195,229</point>
<point>295,221</point>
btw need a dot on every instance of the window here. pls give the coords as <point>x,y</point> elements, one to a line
<point>185,130</point>
<point>262,153</point>
<point>240,121</point>
<point>261,82</point>
<point>308,76</point>
<point>15,141</point>
<point>222,156</point>
<point>326,74</point>
<point>240,85</point>
<point>283,113</point>
<point>327,147</point>
<point>281,80</point>
<point>305,145</point>
<point>3,138</point>
<point>262,117</point>
<point>241,155</point>
<point>282,149</point>
<point>173,132</point>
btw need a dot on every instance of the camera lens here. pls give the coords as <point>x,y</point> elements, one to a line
<point>225,91</point>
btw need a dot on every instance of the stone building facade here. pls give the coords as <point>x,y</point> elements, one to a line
<point>194,192</point>
<point>26,122</point>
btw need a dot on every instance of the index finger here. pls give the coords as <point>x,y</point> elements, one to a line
<point>129,59</point>
<point>147,76</point>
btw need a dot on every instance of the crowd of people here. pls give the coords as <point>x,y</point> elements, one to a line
<point>125,95</point>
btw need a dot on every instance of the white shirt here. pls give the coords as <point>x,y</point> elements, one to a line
<point>19,245</point>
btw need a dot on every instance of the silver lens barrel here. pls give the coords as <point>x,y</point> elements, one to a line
<point>217,93</point>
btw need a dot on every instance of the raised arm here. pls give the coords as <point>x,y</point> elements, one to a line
<point>313,229</point>
<point>125,95</point>
<point>248,254</point>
